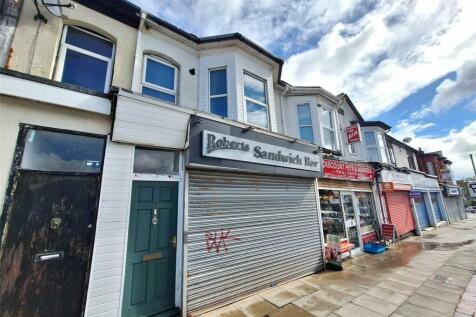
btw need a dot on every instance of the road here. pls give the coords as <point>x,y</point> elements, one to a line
<point>431,276</point>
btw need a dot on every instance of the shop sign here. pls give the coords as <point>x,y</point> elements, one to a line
<point>422,181</point>
<point>353,133</point>
<point>395,177</point>
<point>388,231</point>
<point>388,187</point>
<point>348,171</point>
<point>414,194</point>
<point>234,148</point>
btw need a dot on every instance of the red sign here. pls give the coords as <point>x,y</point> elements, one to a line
<point>348,171</point>
<point>388,231</point>
<point>388,187</point>
<point>353,133</point>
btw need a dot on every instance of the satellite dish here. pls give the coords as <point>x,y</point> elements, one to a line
<point>407,140</point>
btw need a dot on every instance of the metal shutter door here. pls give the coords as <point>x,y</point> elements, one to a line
<point>452,209</point>
<point>420,207</point>
<point>400,212</point>
<point>436,207</point>
<point>275,220</point>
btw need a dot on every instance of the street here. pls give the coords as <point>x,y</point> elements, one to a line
<point>430,276</point>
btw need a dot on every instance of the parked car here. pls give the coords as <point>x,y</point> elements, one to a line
<point>471,209</point>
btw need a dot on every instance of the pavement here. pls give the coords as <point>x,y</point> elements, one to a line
<point>429,276</point>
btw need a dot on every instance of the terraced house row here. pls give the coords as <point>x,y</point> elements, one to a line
<point>146,171</point>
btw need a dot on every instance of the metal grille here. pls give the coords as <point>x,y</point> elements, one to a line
<point>248,232</point>
<point>400,212</point>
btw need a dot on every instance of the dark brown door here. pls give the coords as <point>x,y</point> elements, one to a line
<point>48,246</point>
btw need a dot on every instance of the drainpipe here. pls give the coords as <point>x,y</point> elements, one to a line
<point>137,70</point>
<point>377,172</point>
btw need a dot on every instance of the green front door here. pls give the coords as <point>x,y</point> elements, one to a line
<point>150,268</point>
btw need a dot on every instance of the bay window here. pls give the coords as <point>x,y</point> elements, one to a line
<point>306,132</point>
<point>218,92</point>
<point>376,149</point>
<point>256,101</point>
<point>85,59</point>
<point>159,79</point>
<point>328,129</point>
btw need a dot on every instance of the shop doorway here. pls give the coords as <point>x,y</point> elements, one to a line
<point>49,223</point>
<point>422,213</point>
<point>151,249</point>
<point>351,219</point>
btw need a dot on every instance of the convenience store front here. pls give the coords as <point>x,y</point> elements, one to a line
<point>347,204</point>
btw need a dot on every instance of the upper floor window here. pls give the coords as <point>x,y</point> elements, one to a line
<point>382,148</point>
<point>391,153</point>
<point>306,131</point>
<point>256,101</point>
<point>86,59</point>
<point>159,79</point>
<point>218,92</point>
<point>328,129</point>
<point>352,149</point>
<point>375,146</point>
<point>411,161</point>
<point>431,168</point>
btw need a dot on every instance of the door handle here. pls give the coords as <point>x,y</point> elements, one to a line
<point>173,242</point>
<point>155,219</point>
<point>43,257</point>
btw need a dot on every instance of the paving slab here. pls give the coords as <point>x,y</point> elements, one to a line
<point>255,306</point>
<point>439,294</point>
<point>375,304</point>
<point>315,305</point>
<point>397,287</point>
<point>279,296</point>
<point>348,288</point>
<point>291,310</point>
<point>334,296</point>
<point>431,303</point>
<point>410,310</point>
<point>387,295</point>
<point>227,311</point>
<point>353,310</point>
<point>455,289</point>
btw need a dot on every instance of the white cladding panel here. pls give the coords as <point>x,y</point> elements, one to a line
<point>148,123</point>
<point>248,232</point>
<point>105,280</point>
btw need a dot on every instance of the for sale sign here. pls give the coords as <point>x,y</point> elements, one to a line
<point>353,133</point>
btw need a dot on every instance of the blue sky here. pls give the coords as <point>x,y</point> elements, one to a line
<point>409,63</point>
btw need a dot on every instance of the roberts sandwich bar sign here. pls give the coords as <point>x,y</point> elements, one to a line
<point>233,148</point>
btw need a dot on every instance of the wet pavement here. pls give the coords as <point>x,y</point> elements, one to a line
<point>434,275</point>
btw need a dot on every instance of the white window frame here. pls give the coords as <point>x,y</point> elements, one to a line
<point>352,149</point>
<point>308,103</point>
<point>380,151</point>
<point>156,87</point>
<point>210,96</point>
<point>245,98</point>
<point>323,127</point>
<point>432,170</point>
<point>65,46</point>
<point>376,146</point>
<point>391,154</point>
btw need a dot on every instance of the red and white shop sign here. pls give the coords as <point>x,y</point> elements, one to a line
<point>353,133</point>
<point>348,171</point>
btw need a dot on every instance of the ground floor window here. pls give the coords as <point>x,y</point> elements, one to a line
<point>331,211</point>
<point>366,212</point>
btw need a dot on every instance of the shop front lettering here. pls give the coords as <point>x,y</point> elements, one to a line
<point>258,152</point>
<point>216,240</point>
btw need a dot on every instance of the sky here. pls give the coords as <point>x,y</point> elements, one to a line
<point>411,64</point>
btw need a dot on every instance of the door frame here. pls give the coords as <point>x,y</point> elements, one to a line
<point>10,190</point>
<point>179,261</point>
<point>356,213</point>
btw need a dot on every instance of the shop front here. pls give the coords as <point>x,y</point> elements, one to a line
<point>427,200</point>
<point>346,200</point>
<point>395,187</point>
<point>453,198</point>
<point>252,217</point>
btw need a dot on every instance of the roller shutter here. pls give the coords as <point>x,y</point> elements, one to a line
<point>246,233</point>
<point>422,213</point>
<point>453,209</point>
<point>436,206</point>
<point>400,212</point>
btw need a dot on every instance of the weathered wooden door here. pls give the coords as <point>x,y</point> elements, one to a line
<point>150,269</point>
<point>48,245</point>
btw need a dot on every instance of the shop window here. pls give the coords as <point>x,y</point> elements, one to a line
<point>159,79</point>
<point>62,152</point>
<point>328,129</point>
<point>367,216</point>
<point>256,101</point>
<point>151,161</point>
<point>86,59</point>
<point>306,131</point>
<point>331,212</point>
<point>218,92</point>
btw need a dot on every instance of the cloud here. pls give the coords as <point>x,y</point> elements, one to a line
<point>452,92</point>
<point>456,146</point>
<point>389,53</point>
